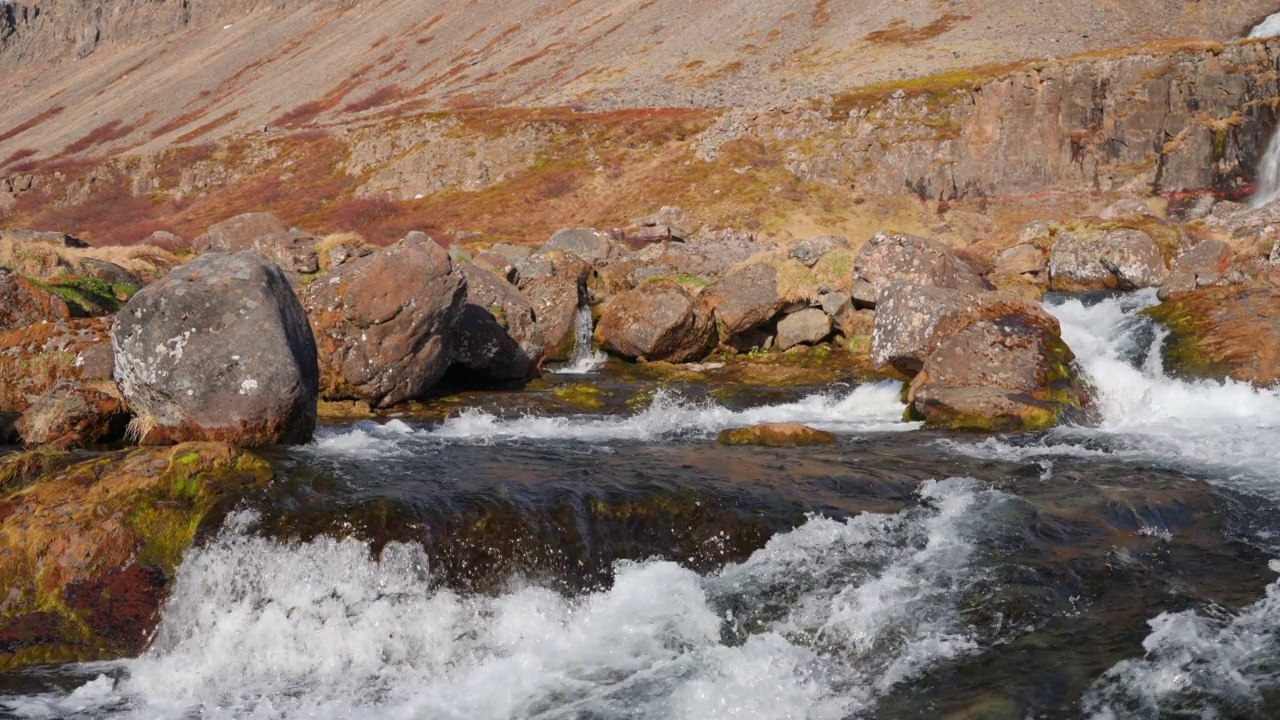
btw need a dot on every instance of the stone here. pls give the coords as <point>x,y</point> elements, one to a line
<point>89,552</point>
<point>497,264</point>
<point>833,303</point>
<point>810,250</point>
<point>659,320</point>
<point>1000,375</point>
<point>35,358</point>
<point>1036,230</point>
<point>496,338</point>
<point>24,303</point>
<point>1122,259</point>
<point>555,285</point>
<point>1223,332</point>
<point>55,239</point>
<point>745,299</point>
<point>891,257</point>
<point>1126,208</point>
<point>71,415</point>
<point>1204,265</point>
<point>776,435</point>
<point>806,327</point>
<point>293,250</point>
<point>592,245</point>
<point>219,349</point>
<point>384,324</point>
<point>912,321</point>
<point>1020,259</point>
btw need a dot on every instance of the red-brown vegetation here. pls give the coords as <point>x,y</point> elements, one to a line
<point>378,220</point>
<point>104,133</point>
<point>382,96</point>
<point>33,122</point>
<point>18,155</point>
<point>208,127</point>
<point>902,33</point>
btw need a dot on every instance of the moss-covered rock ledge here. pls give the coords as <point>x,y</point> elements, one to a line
<point>1223,332</point>
<point>88,547</point>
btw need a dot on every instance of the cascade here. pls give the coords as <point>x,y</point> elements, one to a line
<point>586,359</point>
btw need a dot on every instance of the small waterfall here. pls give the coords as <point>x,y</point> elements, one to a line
<point>1268,172</point>
<point>1267,28</point>
<point>586,359</point>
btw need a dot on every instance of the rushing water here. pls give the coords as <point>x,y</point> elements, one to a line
<point>586,358</point>
<point>623,565</point>
<point>1268,182</point>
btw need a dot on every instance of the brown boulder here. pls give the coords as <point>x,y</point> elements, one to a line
<point>912,321</point>
<point>745,299</point>
<point>1223,332</point>
<point>23,303</point>
<point>589,244</point>
<point>266,234</point>
<point>36,357</point>
<point>776,435</point>
<point>809,326</point>
<point>657,321</point>
<point>496,337</point>
<point>1000,375</point>
<point>87,554</point>
<point>384,324</point>
<point>1121,259</point>
<point>555,285</point>
<point>1205,265</point>
<point>892,257</point>
<point>72,415</point>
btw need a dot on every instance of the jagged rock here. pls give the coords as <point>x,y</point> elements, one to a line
<point>88,553</point>
<point>555,285</point>
<point>71,415</point>
<point>745,299</point>
<point>1204,265</point>
<point>496,337</point>
<point>657,321</point>
<point>1222,332</point>
<point>810,250</point>
<point>806,327</point>
<point>1021,259</point>
<point>1126,208</point>
<point>384,324</point>
<point>24,303</point>
<point>37,357</point>
<point>1035,231</point>
<point>220,349</point>
<point>264,233</point>
<point>55,239</point>
<point>1000,375</point>
<point>1121,259</point>
<point>497,264</point>
<point>891,257</point>
<point>912,321</point>
<point>776,435</point>
<point>592,245</point>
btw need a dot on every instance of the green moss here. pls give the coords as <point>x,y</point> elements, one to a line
<point>690,283</point>
<point>582,396</point>
<point>1183,355</point>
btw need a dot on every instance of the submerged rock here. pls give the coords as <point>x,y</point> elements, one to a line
<point>1223,332</point>
<point>88,553</point>
<point>657,321</point>
<point>776,435</point>
<point>1000,375</point>
<point>220,349</point>
<point>895,257</point>
<point>384,324</point>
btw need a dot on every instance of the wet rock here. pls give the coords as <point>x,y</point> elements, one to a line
<point>35,358</point>
<point>496,336</point>
<point>592,245</point>
<point>1000,375</point>
<point>384,324</point>
<point>890,257</point>
<point>777,435</point>
<point>555,285</point>
<point>71,415</point>
<point>806,327</point>
<point>1205,265</point>
<point>912,321</point>
<point>1223,332</point>
<point>220,349</point>
<point>810,250</point>
<point>657,321</point>
<point>1121,259</point>
<point>24,303</point>
<point>87,554</point>
<point>745,299</point>
<point>263,233</point>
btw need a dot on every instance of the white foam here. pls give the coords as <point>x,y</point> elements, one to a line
<point>586,359</point>
<point>867,408</point>
<point>256,628</point>
<point>1194,657</point>
<point>1269,27</point>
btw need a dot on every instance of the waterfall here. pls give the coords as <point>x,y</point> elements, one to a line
<point>1268,172</point>
<point>1267,28</point>
<point>586,359</point>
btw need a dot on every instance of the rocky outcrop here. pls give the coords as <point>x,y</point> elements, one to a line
<point>746,298</point>
<point>266,234</point>
<point>892,257</point>
<point>776,435</point>
<point>71,415</point>
<point>1223,332</point>
<point>24,303</point>
<point>88,553</point>
<point>1205,265</point>
<point>1001,375</point>
<point>496,337</point>
<point>220,349</point>
<point>384,324</point>
<point>658,321</point>
<point>913,321</point>
<point>1121,259</point>
<point>35,358</point>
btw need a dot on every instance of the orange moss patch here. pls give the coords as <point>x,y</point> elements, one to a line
<point>902,33</point>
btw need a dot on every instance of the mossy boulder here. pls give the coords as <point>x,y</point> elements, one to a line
<point>88,548</point>
<point>776,435</point>
<point>1223,332</point>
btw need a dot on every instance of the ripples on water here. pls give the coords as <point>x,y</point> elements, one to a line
<point>497,566</point>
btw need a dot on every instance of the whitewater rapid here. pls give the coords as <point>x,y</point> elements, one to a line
<point>820,623</point>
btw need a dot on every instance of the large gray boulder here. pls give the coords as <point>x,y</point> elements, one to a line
<point>592,245</point>
<point>220,349</point>
<point>496,338</point>
<point>896,257</point>
<point>1121,259</point>
<point>384,324</point>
